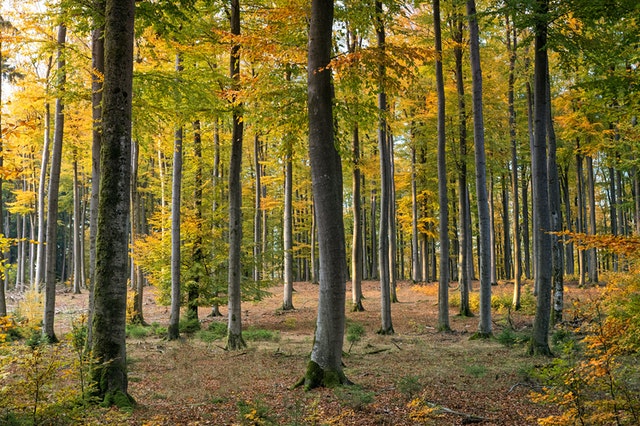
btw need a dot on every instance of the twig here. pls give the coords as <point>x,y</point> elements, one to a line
<point>466,418</point>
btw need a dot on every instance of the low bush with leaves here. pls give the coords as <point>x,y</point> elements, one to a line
<point>596,378</point>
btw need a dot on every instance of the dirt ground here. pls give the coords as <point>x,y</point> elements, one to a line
<point>190,382</point>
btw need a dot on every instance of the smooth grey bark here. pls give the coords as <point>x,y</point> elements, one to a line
<point>54,186</point>
<point>325,366</point>
<point>517,257</point>
<point>392,233</point>
<point>217,196</point>
<point>198,270</point>
<point>234,329</point>
<point>555,211</point>
<point>287,302</point>
<point>506,228</point>
<point>568,220</point>
<point>315,272</point>
<point>41,247</point>
<point>492,234</point>
<point>465,254</point>
<point>137,280</point>
<point>529,243</point>
<point>443,200</point>
<point>257,211</point>
<point>581,218</point>
<point>173,330</point>
<point>416,267</point>
<point>386,326</point>
<point>109,373</point>
<point>97,73</point>
<point>539,343</point>
<point>484,326</point>
<point>592,266</point>
<point>78,255</point>
<point>357,241</point>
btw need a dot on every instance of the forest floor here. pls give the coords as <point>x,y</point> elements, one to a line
<point>451,378</point>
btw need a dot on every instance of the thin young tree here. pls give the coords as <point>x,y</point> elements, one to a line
<point>109,372</point>
<point>325,366</point>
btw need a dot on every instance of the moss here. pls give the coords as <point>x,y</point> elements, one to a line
<point>235,342</point>
<point>316,377</point>
<point>119,399</point>
<point>479,335</point>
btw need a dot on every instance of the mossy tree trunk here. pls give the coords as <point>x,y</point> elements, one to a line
<point>109,372</point>
<point>325,366</point>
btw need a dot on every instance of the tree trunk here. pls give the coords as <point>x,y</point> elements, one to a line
<point>234,332</point>
<point>392,233</point>
<point>97,73</point>
<point>592,267</point>
<point>325,366</point>
<point>3,301</point>
<point>416,267</point>
<point>357,242</point>
<point>112,258</point>
<point>580,225</point>
<point>197,274</point>
<point>137,283</point>
<point>539,340</point>
<point>484,326</point>
<point>257,212</point>
<point>555,212</point>
<point>54,186</point>
<point>443,200</point>
<point>287,302</point>
<point>176,198</point>
<point>385,176</point>
<point>517,260</point>
<point>78,256</point>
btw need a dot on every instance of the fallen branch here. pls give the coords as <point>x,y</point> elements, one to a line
<point>466,418</point>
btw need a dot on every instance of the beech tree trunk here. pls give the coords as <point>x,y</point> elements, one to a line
<point>357,241</point>
<point>287,302</point>
<point>325,366</point>
<point>592,267</point>
<point>234,332</point>
<point>54,186</point>
<point>109,373</point>
<point>484,326</point>
<point>78,256</point>
<point>539,340</point>
<point>443,200</point>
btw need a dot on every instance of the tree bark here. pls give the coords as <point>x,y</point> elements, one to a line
<point>484,326</point>
<point>386,326</point>
<point>357,242</point>
<point>539,340</point>
<point>198,270</point>
<point>287,302</point>
<point>78,256</point>
<point>234,332</point>
<point>443,200</point>
<point>592,267</point>
<point>112,260</point>
<point>54,186</point>
<point>325,366</point>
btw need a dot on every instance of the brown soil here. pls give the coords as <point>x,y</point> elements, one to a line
<point>190,382</point>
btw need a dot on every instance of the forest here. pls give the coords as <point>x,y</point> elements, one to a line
<point>390,210</point>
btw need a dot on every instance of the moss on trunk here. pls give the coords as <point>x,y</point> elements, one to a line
<point>317,377</point>
<point>235,342</point>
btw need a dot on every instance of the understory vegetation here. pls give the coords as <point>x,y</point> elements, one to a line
<point>417,376</point>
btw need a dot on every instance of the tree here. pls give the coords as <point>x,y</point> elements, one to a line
<point>443,200</point>
<point>234,332</point>
<point>109,373</point>
<point>539,340</point>
<point>54,186</point>
<point>385,181</point>
<point>484,327</point>
<point>176,198</point>
<point>325,366</point>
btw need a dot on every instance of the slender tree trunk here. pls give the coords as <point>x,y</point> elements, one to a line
<point>54,185</point>
<point>194,284</point>
<point>109,373</point>
<point>97,73</point>
<point>176,198</point>
<point>234,332</point>
<point>257,216</point>
<point>77,252</point>
<point>592,252</point>
<point>485,326</point>
<point>287,303</point>
<point>543,257</point>
<point>137,283</point>
<point>580,226</point>
<point>555,211</point>
<point>506,228</point>
<point>325,366</point>
<point>314,238</point>
<point>492,234</point>
<point>392,234</point>
<point>443,201</point>
<point>3,301</point>
<point>385,175</point>
<point>357,242</point>
<point>517,260</point>
<point>566,198</point>
<point>416,267</point>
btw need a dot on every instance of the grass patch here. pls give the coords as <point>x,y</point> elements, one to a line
<point>137,331</point>
<point>260,334</point>
<point>476,370</point>
<point>510,337</point>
